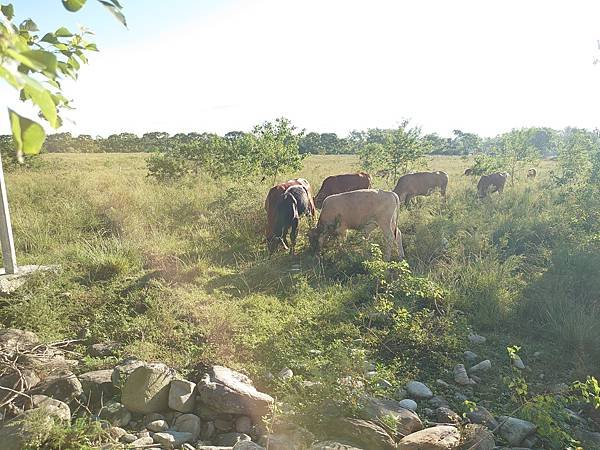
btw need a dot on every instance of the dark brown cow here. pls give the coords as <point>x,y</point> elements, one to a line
<point>468,172</point>
<point>279,202</point>
<point>336,184</point>
<point>494,180</point>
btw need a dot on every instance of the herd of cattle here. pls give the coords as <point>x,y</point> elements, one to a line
<point>347,202</point>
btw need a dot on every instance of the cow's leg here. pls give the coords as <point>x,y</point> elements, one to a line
<point>407,200</point>
<point>399,244</point>
<point>368,228</point>
<point>293,236</point>
<point>389,237</point>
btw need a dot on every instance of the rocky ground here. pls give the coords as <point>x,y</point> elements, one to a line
<point>150,406</point>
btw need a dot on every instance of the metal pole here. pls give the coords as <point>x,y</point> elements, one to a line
<point>9,256</point>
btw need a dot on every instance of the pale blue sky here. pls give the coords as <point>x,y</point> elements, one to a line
<point>333,65</point>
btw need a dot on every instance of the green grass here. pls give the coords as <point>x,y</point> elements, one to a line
<point>179,274</point>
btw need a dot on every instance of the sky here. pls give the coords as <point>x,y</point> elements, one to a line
<point>331,65</point>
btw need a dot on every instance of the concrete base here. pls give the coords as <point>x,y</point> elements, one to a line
<point>13,281</point>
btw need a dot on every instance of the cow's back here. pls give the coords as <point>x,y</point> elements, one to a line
<point>420,183</point>
<point>337,184</point>
<point>355,208</point>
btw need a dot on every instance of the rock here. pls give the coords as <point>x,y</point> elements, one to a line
<point>284,436</point>
<point>482,416</point>
<point>286,373</point>
<point>146,389</point>
<point>476,339</point>
<point>97,385</point>
<point>152,417</point>
<point>223,424</point>
<point>188,423</point>
<point>482,366</point>
<point>243,424</point>
<point>123,370</point>
<point>172,439</point>
<point>53,407</point>
<point>460,375</point>
<point>143,433</point>
<point>531,441</point>
<point>26,380</point>
<point>518,362</point>
<point>438,401</point>
<point>477,437</point>
<point>588,438</point>
<point>115,413</point>
<point>63,386</point>
<point>116,432</point>
<point>446,415</point>
<point>207,430</point>
<point>13,339</point>
<point>377,408</point>
<point>408,404</point>
<point>514,430</point>
<point>362,433</point>
<point>157,426</point>
<point>470,356</point>
<point>141,443</point>
<point>459,396</point>
<point>182,396</point>
<point>418,390</point>
<point>442,383</point>
<point>247,445</point>
<point>574,418</point>
<point>103,349</point>
<point>230,439</point>
<point>128,438</point>
<point>476,379</point>
<point>331,445</point>
<point>442,437</point>
<point>27,430</point>
<point>232,392</point>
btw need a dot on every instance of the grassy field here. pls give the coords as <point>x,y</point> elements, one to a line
<point>179,273</point>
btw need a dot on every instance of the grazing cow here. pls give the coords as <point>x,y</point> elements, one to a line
<point>468,172</point>
<point>336,184</point>
<point>284,207</point>
<point>532,173</point>
<point>363,209</point>
<point>496,180</point>
<point>420,183</point>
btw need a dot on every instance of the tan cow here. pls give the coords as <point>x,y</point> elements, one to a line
<point>495,180</point>
<point>336,184</point>
<point>420,183</point>
<point>532,173</point>
<point>363,209</point>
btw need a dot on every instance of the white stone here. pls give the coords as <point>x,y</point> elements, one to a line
<point>518,362</point>
<point>476,339</point>
<point>460,375</point>
<point>188,423</point>
<point>482,366</point>
<point>418,390</point>
<point>182,396</point>
<point>171,439</point>
<point>157,426</point>
<point>408,404</point>
<point>286,373</point>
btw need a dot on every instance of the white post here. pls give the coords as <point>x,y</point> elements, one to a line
<point>6,237</point>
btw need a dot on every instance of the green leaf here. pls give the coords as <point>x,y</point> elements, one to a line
<point>42,98</point>
<point>63,32</point>
<point>73,63</point>
<point>43,59</point>
<point>92,47</point>
<point>28,25</point>
<point>28,135</point>
<point>115,10</point>
<point>8,11</point>
<point>50,38</point>
<point>12,80</point>
<point>73,5</point>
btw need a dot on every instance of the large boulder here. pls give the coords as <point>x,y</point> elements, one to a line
<point>229,391</point>
<point>362,433</point>
<point>63,386</point>
<point>482,416</point>
<point>514,430</point>
<point>477,437</point>
<point>52,406</point>
<point>285,436</point>
<point>146,389</point>
<point>122,370</point>
<point>230,439</point>
<point>97,385</point>
<point>115,413</point>
<point>443,437</point>
<point>377,408</point>
<point>188,423</point>
<point>182,396</point>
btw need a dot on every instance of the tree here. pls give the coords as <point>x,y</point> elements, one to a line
<point>576,154</point>
<point>276,147</point>
<point>35,65</point>
<point>394,151</point>
<point>514,150</point>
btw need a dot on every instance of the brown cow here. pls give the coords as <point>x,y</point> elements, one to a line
<point>279,201</point>
<point>496,180</point>
<point>363,209</point>
<point>532,173</point>
<point>336,184</point>
<point>420,183</point>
